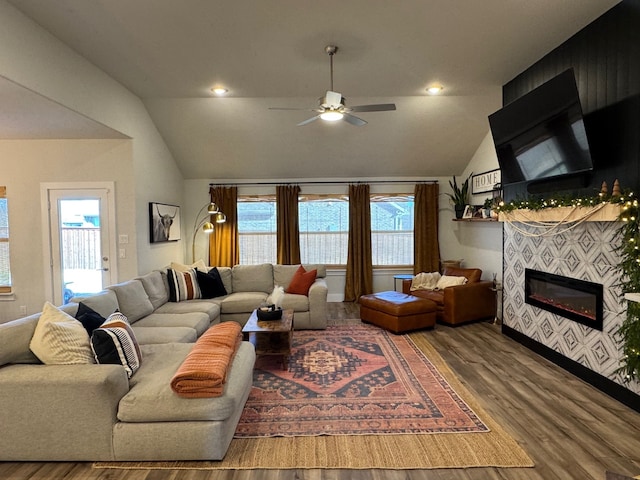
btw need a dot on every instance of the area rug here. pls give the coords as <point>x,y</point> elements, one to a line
<point>492,447</point>
<point>353,380</point>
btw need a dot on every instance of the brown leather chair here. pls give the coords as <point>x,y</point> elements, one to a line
<point>462,303</point>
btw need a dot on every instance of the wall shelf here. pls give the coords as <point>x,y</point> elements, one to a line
<point>475,220</point>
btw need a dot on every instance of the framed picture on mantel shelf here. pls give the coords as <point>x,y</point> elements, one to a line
<point>486,182</point>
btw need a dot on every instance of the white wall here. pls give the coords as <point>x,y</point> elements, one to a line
<point>480,244</point>
<point>28,163</point>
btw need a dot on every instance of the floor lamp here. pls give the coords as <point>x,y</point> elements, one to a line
<point>204,222</point>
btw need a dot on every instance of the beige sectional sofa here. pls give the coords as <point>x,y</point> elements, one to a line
<point>95,412</point>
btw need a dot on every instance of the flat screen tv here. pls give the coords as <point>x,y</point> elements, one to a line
<point>541,135</point>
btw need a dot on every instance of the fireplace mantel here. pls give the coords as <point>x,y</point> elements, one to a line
<point>607,212</point>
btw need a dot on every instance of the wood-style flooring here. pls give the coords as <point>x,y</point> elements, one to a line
<point>570,429</point>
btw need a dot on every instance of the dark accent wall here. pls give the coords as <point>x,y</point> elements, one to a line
<point>605,57</point>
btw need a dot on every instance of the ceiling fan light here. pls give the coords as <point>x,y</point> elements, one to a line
<point>219,90</point>
<point>434,89</point>
<point>331,116</point>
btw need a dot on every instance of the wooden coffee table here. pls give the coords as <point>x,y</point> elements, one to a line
<point>271,337</point>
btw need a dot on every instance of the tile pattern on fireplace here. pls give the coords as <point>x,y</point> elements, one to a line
<point>586,252</point>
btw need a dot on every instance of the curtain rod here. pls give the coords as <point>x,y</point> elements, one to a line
<point>336,182</point>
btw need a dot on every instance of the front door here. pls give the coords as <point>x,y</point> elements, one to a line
<point>79,225</point>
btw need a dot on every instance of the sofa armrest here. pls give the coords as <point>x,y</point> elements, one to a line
<point>471,301</point>
<point>59,412</point>
<point>318,303</point>
<point>406,286</point>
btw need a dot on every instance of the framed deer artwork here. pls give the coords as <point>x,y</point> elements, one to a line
<point>164,222</point>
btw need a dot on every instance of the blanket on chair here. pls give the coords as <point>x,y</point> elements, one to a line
<point>204,371</point>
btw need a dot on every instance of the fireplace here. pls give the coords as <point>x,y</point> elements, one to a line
<point>577,300</point>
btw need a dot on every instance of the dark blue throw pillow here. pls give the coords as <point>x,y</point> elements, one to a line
<point>211,285</point>
<point>89,318</point>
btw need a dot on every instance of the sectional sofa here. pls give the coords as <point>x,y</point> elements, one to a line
<point>89,412</point>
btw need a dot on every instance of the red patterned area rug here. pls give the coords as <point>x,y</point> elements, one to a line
<point>353,380</point>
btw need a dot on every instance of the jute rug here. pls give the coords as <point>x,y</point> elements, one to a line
<point>492,447</point>
<point>353,380</point>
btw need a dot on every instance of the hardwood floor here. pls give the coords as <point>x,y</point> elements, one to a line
<point>570,429</point>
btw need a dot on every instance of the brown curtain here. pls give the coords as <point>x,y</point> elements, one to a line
<point>425,231</point>
<point>223,242</point>
<point>288,229</point>
<point>359,277</point>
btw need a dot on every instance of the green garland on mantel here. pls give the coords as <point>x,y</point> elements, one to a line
<point>629,267</point>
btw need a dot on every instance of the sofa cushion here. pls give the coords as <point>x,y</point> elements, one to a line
<point>210,307</point>
<point>133,300</point>
<point>15,337</point>
<point>115,343</point>
<point>297,303</point>
<point>151,387</point>
<point>210,283</point>
<point>149,335</point>
<point>60,339</point>
<point>89,318</point>
<point>183,285</point>
<point>157,288</point>
<point>253,278</point>
<point>105,302</point>
<point>197,320</point>
<point>301,281</point>
<point>242,302</point>
<point>226,276</point>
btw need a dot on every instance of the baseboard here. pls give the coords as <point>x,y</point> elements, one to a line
<point>600,382</point>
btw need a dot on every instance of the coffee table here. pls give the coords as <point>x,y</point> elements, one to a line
<point>271,337</point>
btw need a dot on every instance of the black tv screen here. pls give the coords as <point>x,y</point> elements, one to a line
<point>541,135</point>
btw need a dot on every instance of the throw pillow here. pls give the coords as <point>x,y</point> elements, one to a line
<point>199,265</point>
<point>210,283</point>
<point>425,281</point>
<point>276,297</point>
<point>115,343</point>
<point>60,339</point>
<point>447,281</point>
<point>183,285</point>
<point>89,318</point>
<point>302,281</point>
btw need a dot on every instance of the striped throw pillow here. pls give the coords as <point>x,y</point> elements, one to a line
<point>183,285</point>
<point>115,343</point>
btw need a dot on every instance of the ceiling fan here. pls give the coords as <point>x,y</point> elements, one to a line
<point>332,106</point>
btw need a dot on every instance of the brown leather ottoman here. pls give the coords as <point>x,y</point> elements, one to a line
<point>397,311</point>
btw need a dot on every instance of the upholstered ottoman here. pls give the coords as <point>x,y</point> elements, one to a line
<point>397,311</point>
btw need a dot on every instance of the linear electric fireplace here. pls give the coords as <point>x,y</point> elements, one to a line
<point>571,298</point>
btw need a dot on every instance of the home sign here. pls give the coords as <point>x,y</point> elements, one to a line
<point>486,182</point>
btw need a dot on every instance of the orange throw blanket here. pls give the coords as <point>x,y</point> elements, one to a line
<point>204,372</point>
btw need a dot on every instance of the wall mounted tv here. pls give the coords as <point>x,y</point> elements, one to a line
<point>541,135</point>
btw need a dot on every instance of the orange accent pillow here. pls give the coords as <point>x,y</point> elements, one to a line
<point>302,281</point>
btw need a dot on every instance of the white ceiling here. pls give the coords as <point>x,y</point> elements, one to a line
<point>271,54</point>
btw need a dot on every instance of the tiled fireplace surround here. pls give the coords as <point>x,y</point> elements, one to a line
<point>586,252</point>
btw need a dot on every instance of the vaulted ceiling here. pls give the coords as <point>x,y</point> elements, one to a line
<point>271,54</point>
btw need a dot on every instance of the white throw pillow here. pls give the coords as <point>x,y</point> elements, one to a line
<point>276,297</point>
<point>199,265</point>
<point>60,339</point>
<point>425,281</point>
<point>449,281</point>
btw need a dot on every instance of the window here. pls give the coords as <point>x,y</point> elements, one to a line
<point>324,229</point>
<point>5,270</point>
<point>257,229</point>
<point>392,230</point>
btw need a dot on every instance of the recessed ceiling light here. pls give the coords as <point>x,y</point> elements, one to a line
<point>219,90</point>
<point>434,89</point>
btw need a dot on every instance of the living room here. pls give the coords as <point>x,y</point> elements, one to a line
<point>126,147</point>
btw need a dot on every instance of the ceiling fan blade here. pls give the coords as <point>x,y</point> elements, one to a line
<point>353,120</point>
<point>381,107</point>
<point>309,120</point>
